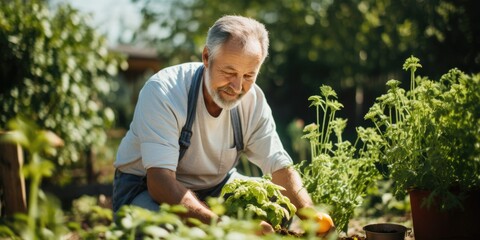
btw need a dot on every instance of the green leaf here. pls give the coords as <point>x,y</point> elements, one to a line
<point>316,101</point>
<point>411,63</point>
<point>327,91</point>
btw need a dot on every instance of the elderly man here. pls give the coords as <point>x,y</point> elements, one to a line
<point>192,121</point>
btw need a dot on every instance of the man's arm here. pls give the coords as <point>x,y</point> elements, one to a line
<point>298,195</point>
<point>164,188</point>
<point>292,182</point>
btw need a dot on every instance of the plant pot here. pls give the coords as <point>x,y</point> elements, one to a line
<point>385,231</point>
<point>432,223</point>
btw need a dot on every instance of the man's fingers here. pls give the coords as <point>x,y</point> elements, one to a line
<point>265,228</point>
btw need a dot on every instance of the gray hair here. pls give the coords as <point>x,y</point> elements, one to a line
<point>240,28</point>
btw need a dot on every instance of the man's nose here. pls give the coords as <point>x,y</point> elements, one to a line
<point>236,84</point>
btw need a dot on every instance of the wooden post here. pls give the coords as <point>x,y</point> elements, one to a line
<point>12,180</point>
<point>90,159</point>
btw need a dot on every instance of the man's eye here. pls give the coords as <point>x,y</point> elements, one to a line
<point>230,74</point>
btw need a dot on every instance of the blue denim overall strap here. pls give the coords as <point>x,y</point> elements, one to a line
<point>186,134</point>
<point>237,129</point>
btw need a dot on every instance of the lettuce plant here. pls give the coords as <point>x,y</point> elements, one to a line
<point>258,199</point>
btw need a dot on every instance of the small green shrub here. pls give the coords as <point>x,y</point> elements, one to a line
<point>430,134</point>
<point>340,173</point>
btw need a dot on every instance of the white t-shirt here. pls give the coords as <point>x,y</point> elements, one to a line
<point>160,114</point>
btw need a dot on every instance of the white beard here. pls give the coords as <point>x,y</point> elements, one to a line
<point>214,93</point>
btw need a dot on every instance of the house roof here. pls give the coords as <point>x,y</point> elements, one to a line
<point>136,51</point>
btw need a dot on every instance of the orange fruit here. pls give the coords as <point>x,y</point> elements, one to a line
<point>325,222</point>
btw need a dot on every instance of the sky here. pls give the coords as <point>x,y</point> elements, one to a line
<point>114,18</point>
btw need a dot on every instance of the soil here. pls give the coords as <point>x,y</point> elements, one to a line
<point>354,237</point>
<point>290,233</point>
<point>286,232</point>
<point>355,228</point>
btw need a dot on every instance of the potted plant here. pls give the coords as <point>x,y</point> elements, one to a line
<point>430,145</point>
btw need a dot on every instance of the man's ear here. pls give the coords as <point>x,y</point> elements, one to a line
<point>205,57</point>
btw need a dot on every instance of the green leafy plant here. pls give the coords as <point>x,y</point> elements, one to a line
<point>340,173</point>
<point>260,199</point>
<point>55,69</point>
<point>430,134</point>
<point>138,223</point>
<point>88,212</point>
<point>44,218</point>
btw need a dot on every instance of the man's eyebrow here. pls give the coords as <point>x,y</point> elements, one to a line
<point>231,68</point>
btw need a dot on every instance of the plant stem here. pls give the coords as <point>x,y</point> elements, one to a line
<point>33,199</point>
<point>314,150</point>
<point>412,82</point>
<point>329,129</point>
<point>132,234</point>
<point>325,109</point>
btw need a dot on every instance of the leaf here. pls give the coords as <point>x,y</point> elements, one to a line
<point>334,105</point>
<point>393,83</point>
<point>327,91</point>
<point>256,210</point>
<point>412,63</point>
<point>316,101</point>
<point>259,197</point>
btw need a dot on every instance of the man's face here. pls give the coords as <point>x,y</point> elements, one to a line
<point>232,73</point>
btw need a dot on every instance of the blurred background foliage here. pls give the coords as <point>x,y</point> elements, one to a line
<point>355,46</point>
<point>55,70</point>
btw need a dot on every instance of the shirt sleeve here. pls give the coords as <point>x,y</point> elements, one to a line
<point>263,145</point>
<point>155,124</point>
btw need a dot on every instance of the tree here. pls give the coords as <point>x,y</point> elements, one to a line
<point>54,70</point>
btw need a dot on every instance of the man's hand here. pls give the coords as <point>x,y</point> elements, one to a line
<point>265,229</point>
<point>298,195</point>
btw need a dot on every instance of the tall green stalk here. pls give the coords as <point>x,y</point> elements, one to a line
<point>36,179</point>
<point>339,173</point>
<point>38,143</point>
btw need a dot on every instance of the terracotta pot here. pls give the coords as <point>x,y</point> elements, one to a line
<point>432,223</point>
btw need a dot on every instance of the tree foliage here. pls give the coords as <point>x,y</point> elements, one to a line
<point>54,70</point>
<point>353,45</point>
